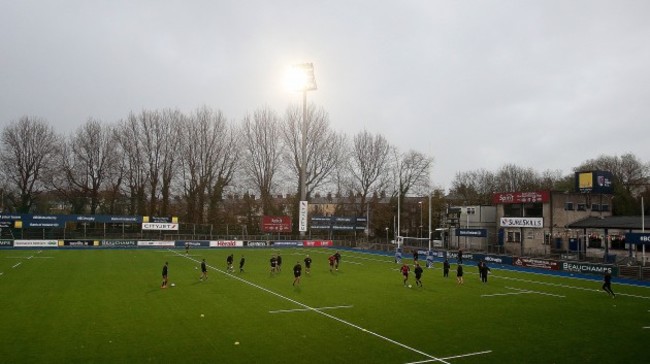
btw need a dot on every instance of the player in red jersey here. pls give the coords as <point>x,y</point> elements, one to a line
<point>405,272</point>
<point>332,260</point>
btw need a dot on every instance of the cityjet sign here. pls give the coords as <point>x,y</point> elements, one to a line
<point>159,226</point>
<point>523,222</point>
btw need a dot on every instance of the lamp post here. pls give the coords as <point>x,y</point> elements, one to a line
<point>387,241</point>
<point>304,79</point>
<point>420,234</point>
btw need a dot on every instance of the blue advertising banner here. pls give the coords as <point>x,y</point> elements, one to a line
<point>480,233</point>
<point>338,222</point>
<point>192,243</point>
<point>287,243</point>
<point>638,238</point>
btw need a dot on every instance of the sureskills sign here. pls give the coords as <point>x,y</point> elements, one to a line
<point>159,226</point>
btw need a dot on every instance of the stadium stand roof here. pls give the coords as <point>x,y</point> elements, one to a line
<point>611,222</point>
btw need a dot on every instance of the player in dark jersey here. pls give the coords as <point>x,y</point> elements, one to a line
<point>405,272</point>
<point>307,264</point>
<point>229,261</point>
<point>416,255</point>
<point>279,267</point>
<point>164,276</point>
<point>187,248</point>
<point>484,272</point>
<point>332,260</point>
<point>338,260</point>
<point>204,271</point>
<point>418,274</point>
<point>445,268</point>
<point>274,264</point>
<point>297,272</point>
<point>241,264</point>
<point>607,285</point>
<point>459,274</point>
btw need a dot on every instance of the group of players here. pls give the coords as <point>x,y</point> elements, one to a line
<point>405,270</point>
<point>275,261</point>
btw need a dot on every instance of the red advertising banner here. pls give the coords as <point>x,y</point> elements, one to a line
<point>536,263</point>
<point>318,243</point>
<point>276,224</point>
<point>521,197</point>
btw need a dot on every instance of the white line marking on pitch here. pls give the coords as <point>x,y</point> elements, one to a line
<point>503,294</point>
<point>17,264</point>
<point>537,292</point>
<point>454,357</point>
<point>316,308</point>
<point>565,286</point>
<point>327,315</point>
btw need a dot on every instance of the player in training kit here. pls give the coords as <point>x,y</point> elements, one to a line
<point>164,276</point>
<point>405,272</point>
<point>418,274</point>
<point>279,261</point>
<point>307,264</point>
<point>274,264</point>
<point>445,268</point>
<point>607,285</point>
<point>332,260</point>
<point>337,256</point>
<point>297,271</point>
<point>459,274</point>
<point>229,261</point>
<point>484,271</point>
<point>241,264</point>
<point>204,271</point>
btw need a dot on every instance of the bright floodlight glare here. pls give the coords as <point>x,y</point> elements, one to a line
<point>300,77</point>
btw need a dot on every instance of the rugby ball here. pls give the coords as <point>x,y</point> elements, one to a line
<point>173,284</point>
<point>409,285</point>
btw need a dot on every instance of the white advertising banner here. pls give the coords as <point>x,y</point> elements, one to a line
<point>226,243</point>
<point>36,243</point>
<point>159,226</point>
<point>524,222</point>
<point>160,243</point>
<point>302,216</point>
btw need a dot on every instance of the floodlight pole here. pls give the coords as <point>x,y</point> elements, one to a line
<point>303,151</point>
<point>309,85</point>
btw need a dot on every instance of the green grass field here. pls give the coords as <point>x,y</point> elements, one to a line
<point>106,306</point>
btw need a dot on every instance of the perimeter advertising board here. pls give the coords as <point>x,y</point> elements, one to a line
<point>276,224</point>
<point>536,263</point>
<point>521,197</point>
<point>638,238</point>
<point>36,243</point>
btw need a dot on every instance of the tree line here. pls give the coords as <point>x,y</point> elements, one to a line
<point>169,163</point>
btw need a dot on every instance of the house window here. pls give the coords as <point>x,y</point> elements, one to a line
<point>514,237</point>
<point>604,207</point>
<point>595,207</point>
<point>582,207</point>
<point>568,206</point>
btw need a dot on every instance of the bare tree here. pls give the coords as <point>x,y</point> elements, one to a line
<point>27,155</point>
<point>325,147</point>
<point>135,175</point>
<point>368,163</point>
<point>87,160</point>
<point>413,170</point>
<point>262,152</point>
<point>209,156</point>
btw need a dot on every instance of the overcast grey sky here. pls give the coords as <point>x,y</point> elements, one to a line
<point>476,84</point>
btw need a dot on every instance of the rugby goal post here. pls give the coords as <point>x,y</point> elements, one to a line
<point>417,243</point>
